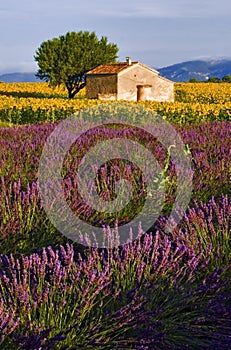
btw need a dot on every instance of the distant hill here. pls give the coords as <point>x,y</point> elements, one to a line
<point>200,69</point>
<point>18,77</point>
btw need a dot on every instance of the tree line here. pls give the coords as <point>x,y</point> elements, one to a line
<point>225,79</point>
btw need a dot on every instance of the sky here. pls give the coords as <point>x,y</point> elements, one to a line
<point>157,33</point>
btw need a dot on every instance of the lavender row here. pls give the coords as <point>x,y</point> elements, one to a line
<point>25,226</point>
<point>210,145</point>
<point>149,294</point>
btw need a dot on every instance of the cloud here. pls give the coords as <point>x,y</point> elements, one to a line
<point>159,8</point>
<point>116,8</point>
<point>21,67</point>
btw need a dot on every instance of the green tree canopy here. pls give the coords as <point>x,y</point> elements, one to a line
<point>213,80</point>
<point>193,80</point>
<point>66,59</point>
<point>227,78</point>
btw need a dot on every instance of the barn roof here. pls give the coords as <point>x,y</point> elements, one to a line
<point>111,68</point>
<point>119,67</point>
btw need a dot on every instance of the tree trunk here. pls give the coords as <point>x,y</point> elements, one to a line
<point>73,89</point>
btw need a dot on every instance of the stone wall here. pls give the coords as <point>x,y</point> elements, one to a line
<point>101,86</point>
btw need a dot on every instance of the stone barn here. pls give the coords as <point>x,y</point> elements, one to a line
<point>131,81</point>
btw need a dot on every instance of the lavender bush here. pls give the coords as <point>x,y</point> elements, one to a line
<point>139,295</point>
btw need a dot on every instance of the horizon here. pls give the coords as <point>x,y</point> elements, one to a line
<point>208,59</point>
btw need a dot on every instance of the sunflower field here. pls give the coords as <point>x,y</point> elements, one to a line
<point>26,103</point>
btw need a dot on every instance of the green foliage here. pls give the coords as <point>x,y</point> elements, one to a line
<point>193,80</point>
<point>66,59</point>
<point>213,80</point>
<point>227,79</point>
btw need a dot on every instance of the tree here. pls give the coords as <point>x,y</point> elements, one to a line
<point>66,59</point>
<point>213,80</point>
<point>227,78</point>
<point>193,80</point>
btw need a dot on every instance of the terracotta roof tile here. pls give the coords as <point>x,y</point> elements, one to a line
<point>112,68</point>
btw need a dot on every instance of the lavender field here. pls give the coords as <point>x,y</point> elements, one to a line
<point>160,291</point>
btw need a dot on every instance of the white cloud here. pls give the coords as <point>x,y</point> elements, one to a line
<point>21,67</point>
<point>117,8</point>
<point>159,8</point>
